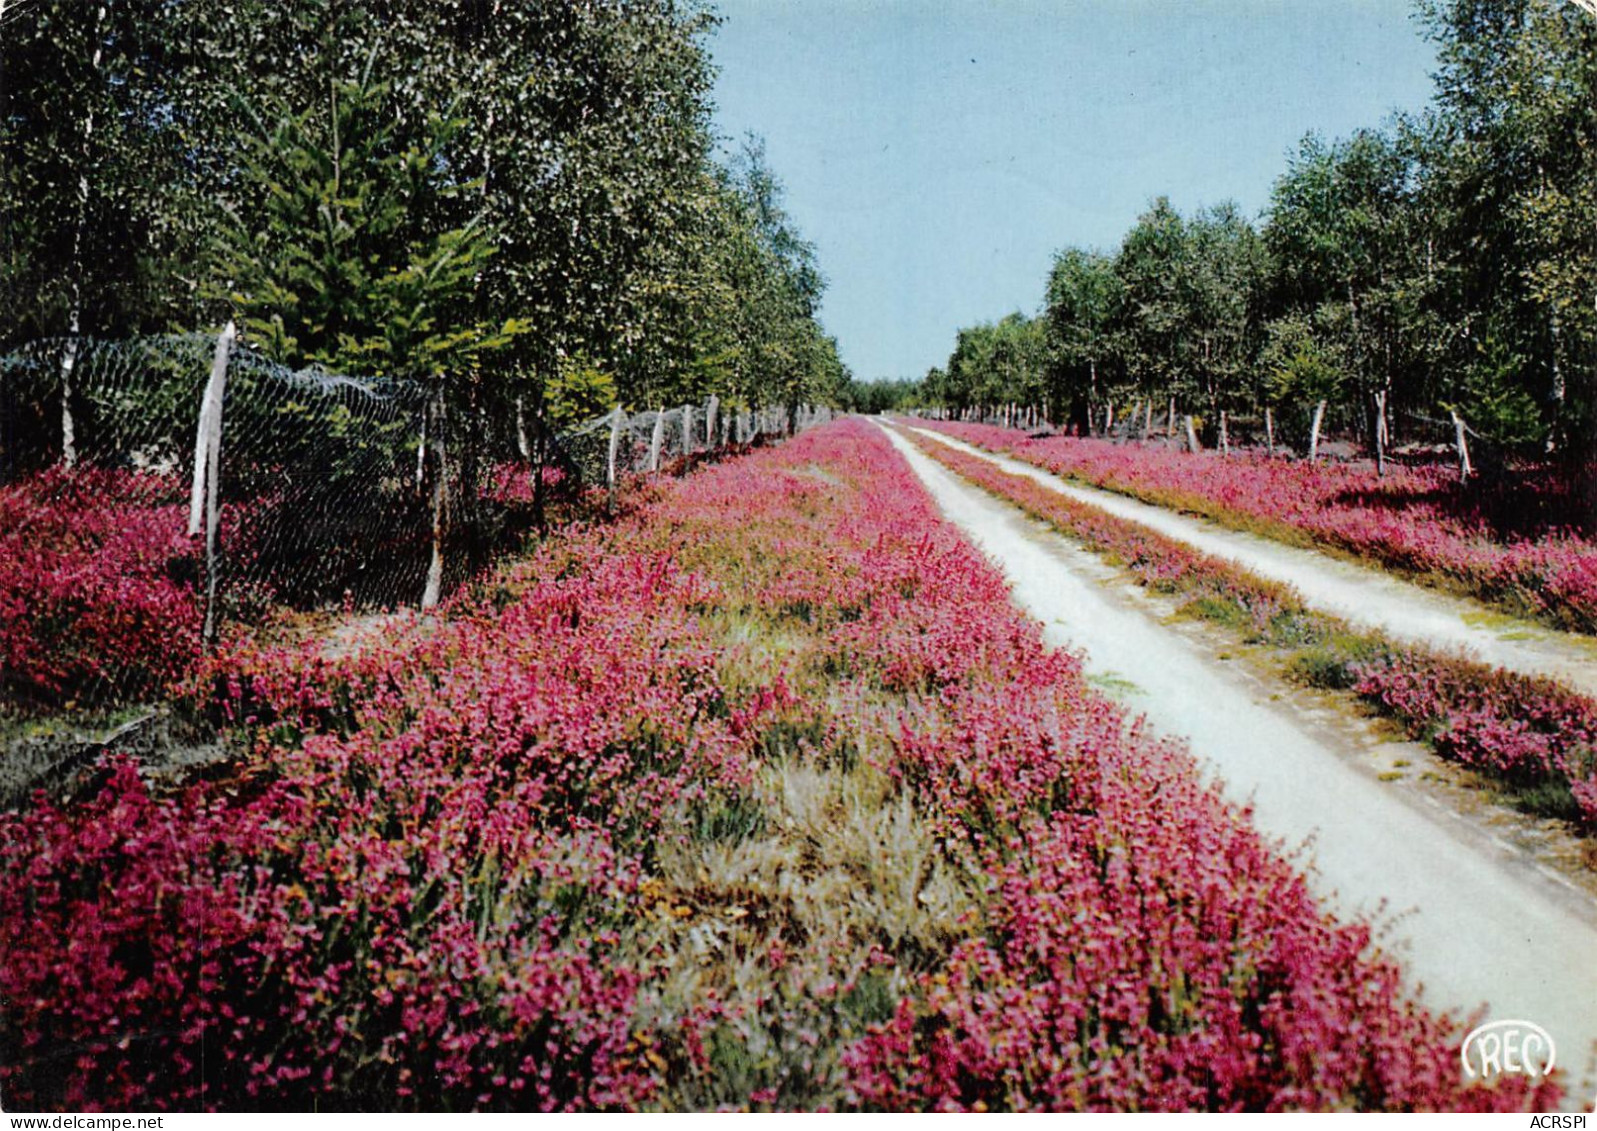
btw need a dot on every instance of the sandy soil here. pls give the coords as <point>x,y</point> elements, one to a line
<point>1361,595</point>
<point>1476,920</point>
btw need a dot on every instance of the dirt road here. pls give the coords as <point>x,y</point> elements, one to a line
<point>1363,596</point>
<point>1474,921</point>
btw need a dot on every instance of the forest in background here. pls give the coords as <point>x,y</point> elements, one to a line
<point>510,202</point>
<point>1444,262</point>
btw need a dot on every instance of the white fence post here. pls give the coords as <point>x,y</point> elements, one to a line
<point>434,588</point>
<point>1459,430</point>
<point>710,412</point>
<point>655,439</point>
<point>616,420</point>
<point>215,391</point>
<point>210,408</point>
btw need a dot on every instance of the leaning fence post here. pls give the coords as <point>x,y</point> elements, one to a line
<point>1459,429</point>
<point>215,390</point>
<point>210,404</point>
<point>1192,436</point>
<point>1314,431</point>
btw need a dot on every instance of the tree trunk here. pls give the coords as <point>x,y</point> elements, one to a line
<point>1225,440</point>
<point>1314,431</point>
<point>1192,437</point>
<point>1380,433</point>
<point>69,356</point>
<point>434,588</point>
<point>1556,412</point>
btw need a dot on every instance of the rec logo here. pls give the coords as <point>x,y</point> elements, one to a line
<point>1499,1048</point>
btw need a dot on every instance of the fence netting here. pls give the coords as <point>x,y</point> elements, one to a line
<point>136,526</point>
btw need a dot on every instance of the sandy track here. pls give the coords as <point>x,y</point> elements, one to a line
<point>1363,596</point>
<point>1474,921</point>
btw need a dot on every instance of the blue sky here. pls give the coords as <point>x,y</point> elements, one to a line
<point>938,152</point>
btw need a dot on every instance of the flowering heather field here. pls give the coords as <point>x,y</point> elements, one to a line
<point>97,584</point>
<point>1508,551</point>
<point>762,795</point>
<point>1532,734</point>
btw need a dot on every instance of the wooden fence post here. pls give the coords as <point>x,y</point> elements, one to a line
<point>215,395</point>
<point>712,410</point>
<point>1269,432</point>
<point>655,438</point>
<point>210,412</point>
<point>616,420</point>
<point>1192,437</point>
<point>433,591</point>
<point>1225,440</point>
<point>1314,431</point>
<point>1459,429</point>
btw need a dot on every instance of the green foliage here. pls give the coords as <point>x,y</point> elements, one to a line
<point>1445,259</point>
<point>419,187</point>
<point>1300,366</point>
<point>351,258</point>
<point>996,363</point>
<point>579,391</point>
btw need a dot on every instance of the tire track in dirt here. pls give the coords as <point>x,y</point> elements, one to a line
<point>1474,922</point>
<point>1363,596</point>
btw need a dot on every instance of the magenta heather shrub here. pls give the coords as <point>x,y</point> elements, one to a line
<point>1525,731</point>
<point>1415,519</point>
<point>97,593</point>
<point>423,887</point>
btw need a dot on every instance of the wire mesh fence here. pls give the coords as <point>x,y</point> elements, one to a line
<point>159,492</point>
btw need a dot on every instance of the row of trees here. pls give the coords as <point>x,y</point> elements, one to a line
<point>1448,261</point>
<point>517,200</point>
